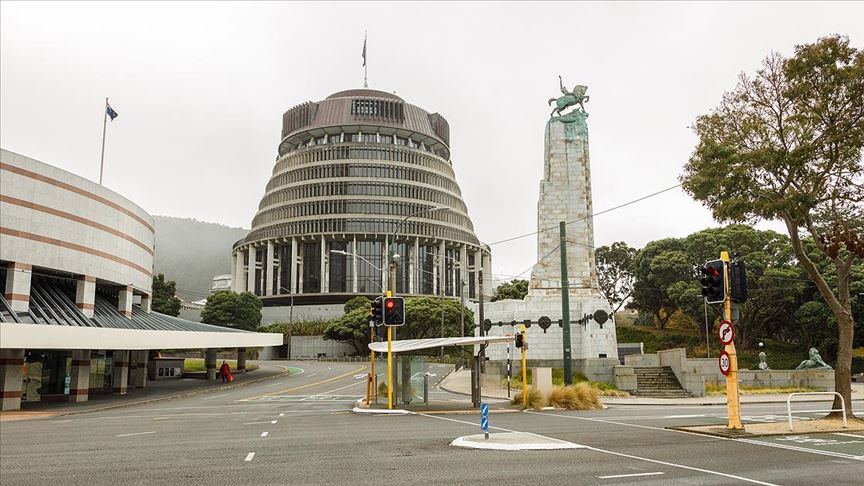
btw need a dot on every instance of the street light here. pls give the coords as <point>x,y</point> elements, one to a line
<point>376,267</point>
<point>392,257</point>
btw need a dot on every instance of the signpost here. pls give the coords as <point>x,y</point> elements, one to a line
<point>725,363</point>
<point>484,418</point>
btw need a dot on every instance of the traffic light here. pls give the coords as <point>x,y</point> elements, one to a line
<point>376,310</point>
<point>713,281</point>
<point>738,281</point>
<point>519,339</point>
<point>394,311</point>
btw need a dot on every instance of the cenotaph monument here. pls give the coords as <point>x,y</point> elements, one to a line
<point>565,195</point>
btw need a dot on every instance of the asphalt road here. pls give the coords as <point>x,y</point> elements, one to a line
<point>299,430</point>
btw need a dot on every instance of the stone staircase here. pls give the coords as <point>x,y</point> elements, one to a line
<point>658,382</point>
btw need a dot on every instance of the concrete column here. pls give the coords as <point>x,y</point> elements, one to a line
<point>294,252</point>
<point>138,369</point>
<point>11,361</point>
<point>487,274</point>
<point>253,263</point>
<point>268,270</point>
<point>124,301</point>
<point>463,270</point>
<point>325,280</point>
<point>239,276</point>
<point>210,363</point>
<point>354,265</point>
<point>442,268</point>
<point>85,294</point>
<point>146,300</point>
<point>120,376</point>
<point>79,386</point>
<point>241,359</point>
<point>414,252</point>
<point>478,264</point>
<point>18,287</point>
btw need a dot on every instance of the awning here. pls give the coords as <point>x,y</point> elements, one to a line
<point>415,344</point>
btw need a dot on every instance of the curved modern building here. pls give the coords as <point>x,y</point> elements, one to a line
<point>350,170</point>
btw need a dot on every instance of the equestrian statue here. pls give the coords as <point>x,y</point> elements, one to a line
<point>570,98</point>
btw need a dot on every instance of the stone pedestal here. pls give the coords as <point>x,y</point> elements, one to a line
<point>210,363</point>
<point>565,195</point>
<point>541,378</point>
<point>241,360</point>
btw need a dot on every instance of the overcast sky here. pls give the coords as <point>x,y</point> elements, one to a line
<point>200,89</point>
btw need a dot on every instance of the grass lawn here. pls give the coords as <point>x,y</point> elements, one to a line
<point>191,365</point>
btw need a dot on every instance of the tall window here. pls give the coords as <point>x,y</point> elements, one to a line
<point>311,267</point>
<point>425,267</point>
<point>369,267</point>
<point>401,249</point>
<point>284,286</point>
<point>341,268</point>
<point>388,139</point>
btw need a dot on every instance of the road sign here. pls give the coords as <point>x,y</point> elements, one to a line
<point>725,363</point>
<point>484,417</point>
<point>726,332</point>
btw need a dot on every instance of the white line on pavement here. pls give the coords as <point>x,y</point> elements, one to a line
<point>840,433</point>
<point>249,456</point>
<point>264,434</point>
<point>256,423</point>
<point>273,384</point>
<point>681,466</point>
<point>281,414</point>
<point>216,396</point>
<point>273,421</point>
<point>630,475</point>
<point>136,433</point>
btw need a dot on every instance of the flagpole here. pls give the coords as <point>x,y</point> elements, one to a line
<point>104,124</point>
<point>365,81</point>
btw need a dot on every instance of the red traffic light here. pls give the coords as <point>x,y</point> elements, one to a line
<point>389,303</point>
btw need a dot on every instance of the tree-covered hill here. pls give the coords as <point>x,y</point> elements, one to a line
<point>192,252</point>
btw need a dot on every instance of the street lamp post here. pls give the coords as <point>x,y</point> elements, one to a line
<point>290,319</point>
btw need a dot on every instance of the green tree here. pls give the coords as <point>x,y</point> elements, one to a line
<point>514,289</point>
<point>230,309</point>
<point>351,328</point>
<point>357,303</point>
<point>656,268</point>
<point>163,299</point>
<point>615,273</point>
<point>785,144</point>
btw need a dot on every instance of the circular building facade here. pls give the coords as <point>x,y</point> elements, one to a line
<point>352,170</point>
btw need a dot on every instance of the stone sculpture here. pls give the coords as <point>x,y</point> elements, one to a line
<point>763,361</point>
<point>570,98</point>
<point>814,363</point>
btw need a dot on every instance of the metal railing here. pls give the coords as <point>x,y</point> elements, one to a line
<point>842,406</point>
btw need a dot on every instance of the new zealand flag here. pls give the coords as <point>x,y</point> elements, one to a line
<point>110,111</point>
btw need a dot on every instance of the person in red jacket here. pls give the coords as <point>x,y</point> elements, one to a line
<point>225,371</point>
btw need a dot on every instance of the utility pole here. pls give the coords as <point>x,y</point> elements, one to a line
<point>732,400</point>
<point>565,305</point>
<point>462,303</point>
<point>441,293</point>
<point>482,324</point>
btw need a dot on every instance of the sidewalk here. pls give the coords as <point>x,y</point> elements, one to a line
<point>460,382</point>
<point>154,392</point>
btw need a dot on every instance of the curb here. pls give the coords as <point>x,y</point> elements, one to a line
<point>376,411</point>
<point>704,404</point>
<point>286,372</point>
<point>551,444</point>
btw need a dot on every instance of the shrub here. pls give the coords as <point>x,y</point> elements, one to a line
<point>587,397</point>
<point>534,399</point>
<point>563,397</point>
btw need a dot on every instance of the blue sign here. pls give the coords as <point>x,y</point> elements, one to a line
<point>484,424</point>
<point>484,416</point>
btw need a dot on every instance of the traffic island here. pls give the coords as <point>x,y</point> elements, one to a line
<point>803,427</point>
<point>513,441</point>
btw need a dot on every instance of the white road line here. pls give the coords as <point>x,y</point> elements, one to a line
<point>273,421</point>
<point>681,466</point>
<point>264,434</point>
<point>273,384</point>
<point>61,421</point>
<point>216,396</point>
<point>281,414</point>
<point>473,424</point>
<point>136,433</point>
<point>337,389</point>
<point>630,475</point>
<point>256,423</point>
<point>748,441</point>
<point>249,456</point>
<point>838,433</point>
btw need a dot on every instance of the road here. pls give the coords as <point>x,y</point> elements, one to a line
<point>298,429</point>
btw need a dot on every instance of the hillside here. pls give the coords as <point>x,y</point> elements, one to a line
<point>191,252</point>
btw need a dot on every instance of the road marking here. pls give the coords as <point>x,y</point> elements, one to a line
<point>682,466</point>
<point>264,434</point>
<point>473,424</point>
<point>273,421</point>
<point>249,456</point>
<point>273,384</point>
<point>281,414</point>
<point>838,433</point>
<point>282,392</point>
<point>216,396</point>
<point>630,475</point>
<point>747,441</point>
<point>61,421</point>
<point>136,433</point>
<point>257,423</point>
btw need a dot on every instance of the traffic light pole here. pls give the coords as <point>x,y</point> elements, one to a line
<point>524,368</point>
<point>733,403</point>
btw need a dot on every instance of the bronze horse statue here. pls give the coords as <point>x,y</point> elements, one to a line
<point>570,98</point>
